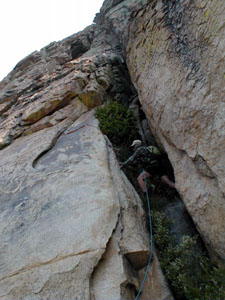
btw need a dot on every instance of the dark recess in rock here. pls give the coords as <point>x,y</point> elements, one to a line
<point>77,49</point>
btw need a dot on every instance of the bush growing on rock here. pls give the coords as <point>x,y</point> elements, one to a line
<point>187,269</point>
<point>117,122</point>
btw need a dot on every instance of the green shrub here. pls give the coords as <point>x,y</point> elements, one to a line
<point>189,272</point>
<point>211,286</point>
<point>117,122</point>
<point>161,228</point>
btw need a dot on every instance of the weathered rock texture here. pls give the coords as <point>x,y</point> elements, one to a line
<point>71,225</point>
<point>33,96</point>
<point>176,60</point>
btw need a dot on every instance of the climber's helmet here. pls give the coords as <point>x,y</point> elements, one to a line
<point>136,144</point>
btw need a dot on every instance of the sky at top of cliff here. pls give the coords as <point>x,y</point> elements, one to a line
<point>29,25</point>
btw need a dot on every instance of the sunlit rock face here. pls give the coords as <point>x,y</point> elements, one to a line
<point>71,224</point>
<point>48,86</point>
<point>64,205</point>
<point>175,57</point>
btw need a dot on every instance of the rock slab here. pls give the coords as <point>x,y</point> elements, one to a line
<point>175,57</point>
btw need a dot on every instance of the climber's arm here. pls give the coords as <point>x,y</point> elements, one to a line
<point>133,158</point>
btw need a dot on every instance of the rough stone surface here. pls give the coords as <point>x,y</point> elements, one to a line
<point>49,80</point>
<point>155,286</point>
<point>176,60</point>
<point>59,211</point>
<point>71,224</point>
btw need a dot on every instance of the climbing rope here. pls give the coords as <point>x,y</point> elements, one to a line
<point>149,209</point>
<point>150,229</point>
<point>148,203</point>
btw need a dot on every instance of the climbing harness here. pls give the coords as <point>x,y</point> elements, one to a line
<point>150,228</point>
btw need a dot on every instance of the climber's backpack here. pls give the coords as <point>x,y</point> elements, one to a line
<point>155,155</point>
<point>154,150</point>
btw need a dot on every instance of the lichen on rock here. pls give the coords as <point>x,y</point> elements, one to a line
<point>72,226</point>
<point>178,72</point>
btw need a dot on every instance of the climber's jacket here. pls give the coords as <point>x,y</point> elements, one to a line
<point>144,155</point>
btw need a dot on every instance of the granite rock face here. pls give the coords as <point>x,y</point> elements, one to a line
<point>71,224</point>
<point>176,61</point>
<point>46,86</point>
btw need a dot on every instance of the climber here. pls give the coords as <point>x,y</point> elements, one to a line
<point>149,157</point>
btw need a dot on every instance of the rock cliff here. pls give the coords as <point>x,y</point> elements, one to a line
<point>72,226</point>
<point>176,60</point>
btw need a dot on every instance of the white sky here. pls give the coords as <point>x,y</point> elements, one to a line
<point>29,25</point>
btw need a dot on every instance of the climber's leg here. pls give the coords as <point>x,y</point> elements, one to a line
<point>141,180</point>
<point>167,181</point>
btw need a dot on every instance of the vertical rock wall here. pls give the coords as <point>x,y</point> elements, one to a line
<point>71,224</point>
<point>175,57</point>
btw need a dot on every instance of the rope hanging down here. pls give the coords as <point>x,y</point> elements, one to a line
<point>150,228</point>
<point>148,202</point>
